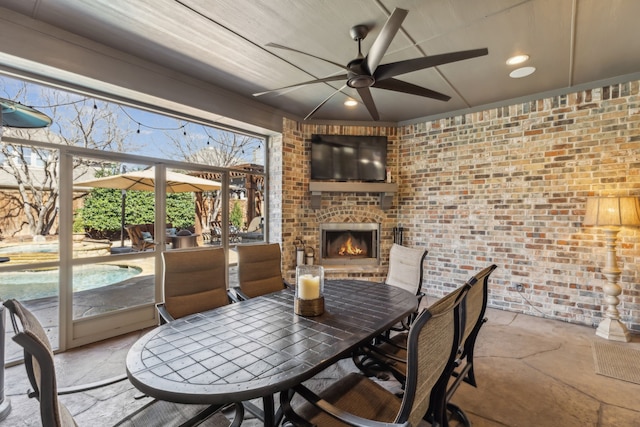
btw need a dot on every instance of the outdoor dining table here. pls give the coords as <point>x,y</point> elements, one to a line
<point>258,347</point>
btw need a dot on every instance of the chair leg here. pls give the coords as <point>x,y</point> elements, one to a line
<point>470,377</point>
<point>437,414</point>
<point>457,412</point>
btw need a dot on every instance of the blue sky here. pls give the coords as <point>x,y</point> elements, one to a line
<point>148,133</point>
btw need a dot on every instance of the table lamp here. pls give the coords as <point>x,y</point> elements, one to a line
<point>611,213</point>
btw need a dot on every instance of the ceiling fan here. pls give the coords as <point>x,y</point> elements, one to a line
<point>365,72</point>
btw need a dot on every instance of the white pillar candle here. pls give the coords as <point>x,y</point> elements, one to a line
<point>308,286</point>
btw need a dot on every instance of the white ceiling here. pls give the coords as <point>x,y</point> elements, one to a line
<point>572,43</point>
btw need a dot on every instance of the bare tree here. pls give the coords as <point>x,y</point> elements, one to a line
<point>77,121</point>
<point>220,148</point>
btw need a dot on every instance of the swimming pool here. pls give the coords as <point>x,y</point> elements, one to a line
<point>30,248</point>
<point>32,284</point>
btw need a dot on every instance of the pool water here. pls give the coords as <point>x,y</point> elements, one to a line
<point>30,248</point>
<point>32,284</point>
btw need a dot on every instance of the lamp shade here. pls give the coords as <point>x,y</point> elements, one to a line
<point>612,211</point>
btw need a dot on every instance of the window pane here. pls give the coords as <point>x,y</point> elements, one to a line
<point>105,287</point>
<point>37,290</point>
<point>114,208</point>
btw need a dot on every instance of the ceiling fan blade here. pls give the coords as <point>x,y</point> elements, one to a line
<point>400,86</point>
<point>323,80</point>
<point>382,42</point>
<point>393,69</point>
<point>279,46</point>
<point>324,102</point>
<point>365,94</point>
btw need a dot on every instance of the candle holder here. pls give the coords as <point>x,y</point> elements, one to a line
<point>309,300</point>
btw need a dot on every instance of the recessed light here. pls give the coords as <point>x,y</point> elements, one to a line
<point>518,59</point>
<point>522,72</point>
<point>350,102</point>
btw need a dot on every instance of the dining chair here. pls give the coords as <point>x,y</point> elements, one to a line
<point>259,270</point>
<point>41,372</point>
<point>195,280</point>
<point>391,354</point>
<point>405,272</point>
<point>475,309</point>
<point>358,401</point>
<point>406,267</point>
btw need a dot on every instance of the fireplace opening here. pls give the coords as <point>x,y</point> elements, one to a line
<point>349,243</point>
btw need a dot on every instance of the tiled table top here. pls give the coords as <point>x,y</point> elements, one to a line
<point>259,347</point>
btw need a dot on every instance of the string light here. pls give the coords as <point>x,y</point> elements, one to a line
<point>140,125</point>
<point>61,104</point>
<point>183,126</point>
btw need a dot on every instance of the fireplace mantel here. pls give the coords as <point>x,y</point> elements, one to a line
<point>386,190</point>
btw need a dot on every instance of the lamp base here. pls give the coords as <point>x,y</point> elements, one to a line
<point>613,330</point>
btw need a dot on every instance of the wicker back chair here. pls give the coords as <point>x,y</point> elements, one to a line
<point>259,270</point>
<point>138,242</point>
<point>357,400</point>
<point>195,280</point>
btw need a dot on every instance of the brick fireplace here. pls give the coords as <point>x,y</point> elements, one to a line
<point>349,243</point>
<point>302,209</point>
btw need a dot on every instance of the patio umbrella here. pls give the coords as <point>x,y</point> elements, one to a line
<point>144,180</point>
<point>16,115</point>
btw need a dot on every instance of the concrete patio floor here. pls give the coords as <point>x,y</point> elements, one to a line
<point>530,371</point>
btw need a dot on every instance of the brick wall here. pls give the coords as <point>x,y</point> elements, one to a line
<point>299,220</point>
<point>506,186</point>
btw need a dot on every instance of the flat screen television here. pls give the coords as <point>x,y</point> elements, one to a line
<point>348,158</point>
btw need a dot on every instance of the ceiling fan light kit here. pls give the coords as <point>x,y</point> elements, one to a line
<point>365,72</point>
<point>518,73</point>
<point>517,59</point>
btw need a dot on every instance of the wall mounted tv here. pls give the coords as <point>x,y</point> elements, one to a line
<point>348,158</point>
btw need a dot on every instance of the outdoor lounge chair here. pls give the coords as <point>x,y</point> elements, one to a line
<point>140,242</point>
<point>357,400</point>
<point>40,366</point>
<point>194,281</point>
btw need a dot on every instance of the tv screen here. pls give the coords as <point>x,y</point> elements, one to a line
<point>348,157</point>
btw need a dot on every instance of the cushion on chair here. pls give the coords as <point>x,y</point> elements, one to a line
<point>259,269</point>
<point>146,236</point>
<point>183,305</point>
<point>194,280</point>
<point>405,268</point>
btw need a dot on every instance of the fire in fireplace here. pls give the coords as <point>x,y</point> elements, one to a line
<point>349,243</point>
